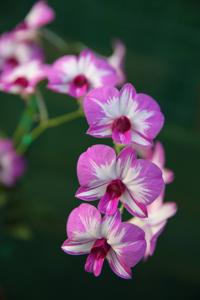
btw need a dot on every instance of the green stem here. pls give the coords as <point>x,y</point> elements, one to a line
<point>121,209</point>
<point>41,107</point>
<point>118,148</point>
<point>54,122</point>
<point>58,42</point>
<point>54,39</point>
<point>27,119</point>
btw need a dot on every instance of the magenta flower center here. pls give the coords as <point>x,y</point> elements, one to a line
<point>100,248</point>
<point>21,81</point>
<point>81,81</point>
<point>116,188</point>
<point>122,124</point>
<point>22,26</point>
<point>12,62</point>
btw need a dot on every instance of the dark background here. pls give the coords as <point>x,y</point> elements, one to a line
<point>163,49</point>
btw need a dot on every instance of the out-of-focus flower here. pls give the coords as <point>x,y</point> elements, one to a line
<point>102,175</point>
<point>117,60</point>
<point>41,14</point>
<point>122,244</point>
<point>153,226</point>
<point>14,53</point>
<point>24,78</point>
<point>157,156</point>
<point>12,165</point>
<point>77,75</point>
<point>125,116</point>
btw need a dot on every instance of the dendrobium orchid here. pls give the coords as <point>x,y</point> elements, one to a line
<point>24,78</point>
<point>153,226</point>
<point>125,116</point>
<point>116,60</point>
<point>110,175</point>
<point>12,165</point>
<point>121,244</point>
<point>76,75</point>
<point>41,14</point>
<point>157,156</point>
<point>110,178</point>
<point>14,53</point>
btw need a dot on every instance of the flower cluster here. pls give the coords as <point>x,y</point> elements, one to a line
<point>132,120</point>
<point>130,176</point>
<point>21,58</point>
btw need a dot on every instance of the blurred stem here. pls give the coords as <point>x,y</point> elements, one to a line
<point>41,107</point>
<point>54,39</point>
<point>26,120</point>
<point>50,123</point>
<point>58,42</point>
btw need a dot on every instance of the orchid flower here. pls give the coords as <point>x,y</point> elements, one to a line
<point>157,156</point>
<point>153,226</point>
<point>125,116</point>
<point>76,75</point>
<point>116,60</point>
<point>107,238</point>
<point>14,53</point>
<point>12,165</point>
<point>40,15</point>
<point>110,178</point>
<point>24,78</point>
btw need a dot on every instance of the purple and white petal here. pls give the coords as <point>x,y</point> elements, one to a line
<point>100,131</point>
<point>108,205</point>
<point>147,117</point>
<point>153,226</point>
<point>98,71</point>
<point>125,161</point>
<point>93,264</point>
<point>122,138</point>
<point>83,224</point>
<point>143,181</point>
<point>109,225</point>
<point>76,248</point>
<point>117,60</point>
<point>24,78</point>
<point>162,213</point>
<point>118,265</point>
<point>98,105</point>
<point>40,15</point>
<point>168,176</point>
<point>138,139</point>
<point>61,73</point>
<point>12,165</point>
<point>129,244</point>
<point>91,193</point>
<point>157,156</point>
<point>133,207</point>
<point>96,166</point>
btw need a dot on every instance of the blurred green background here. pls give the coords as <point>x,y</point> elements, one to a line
<point>163,46</point>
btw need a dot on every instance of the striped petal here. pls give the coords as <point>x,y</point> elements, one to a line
<point>84,223</point>
<point>144,181</point>
<point>118,266</point>
<point>76,248</point>
<point>96,166</point>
